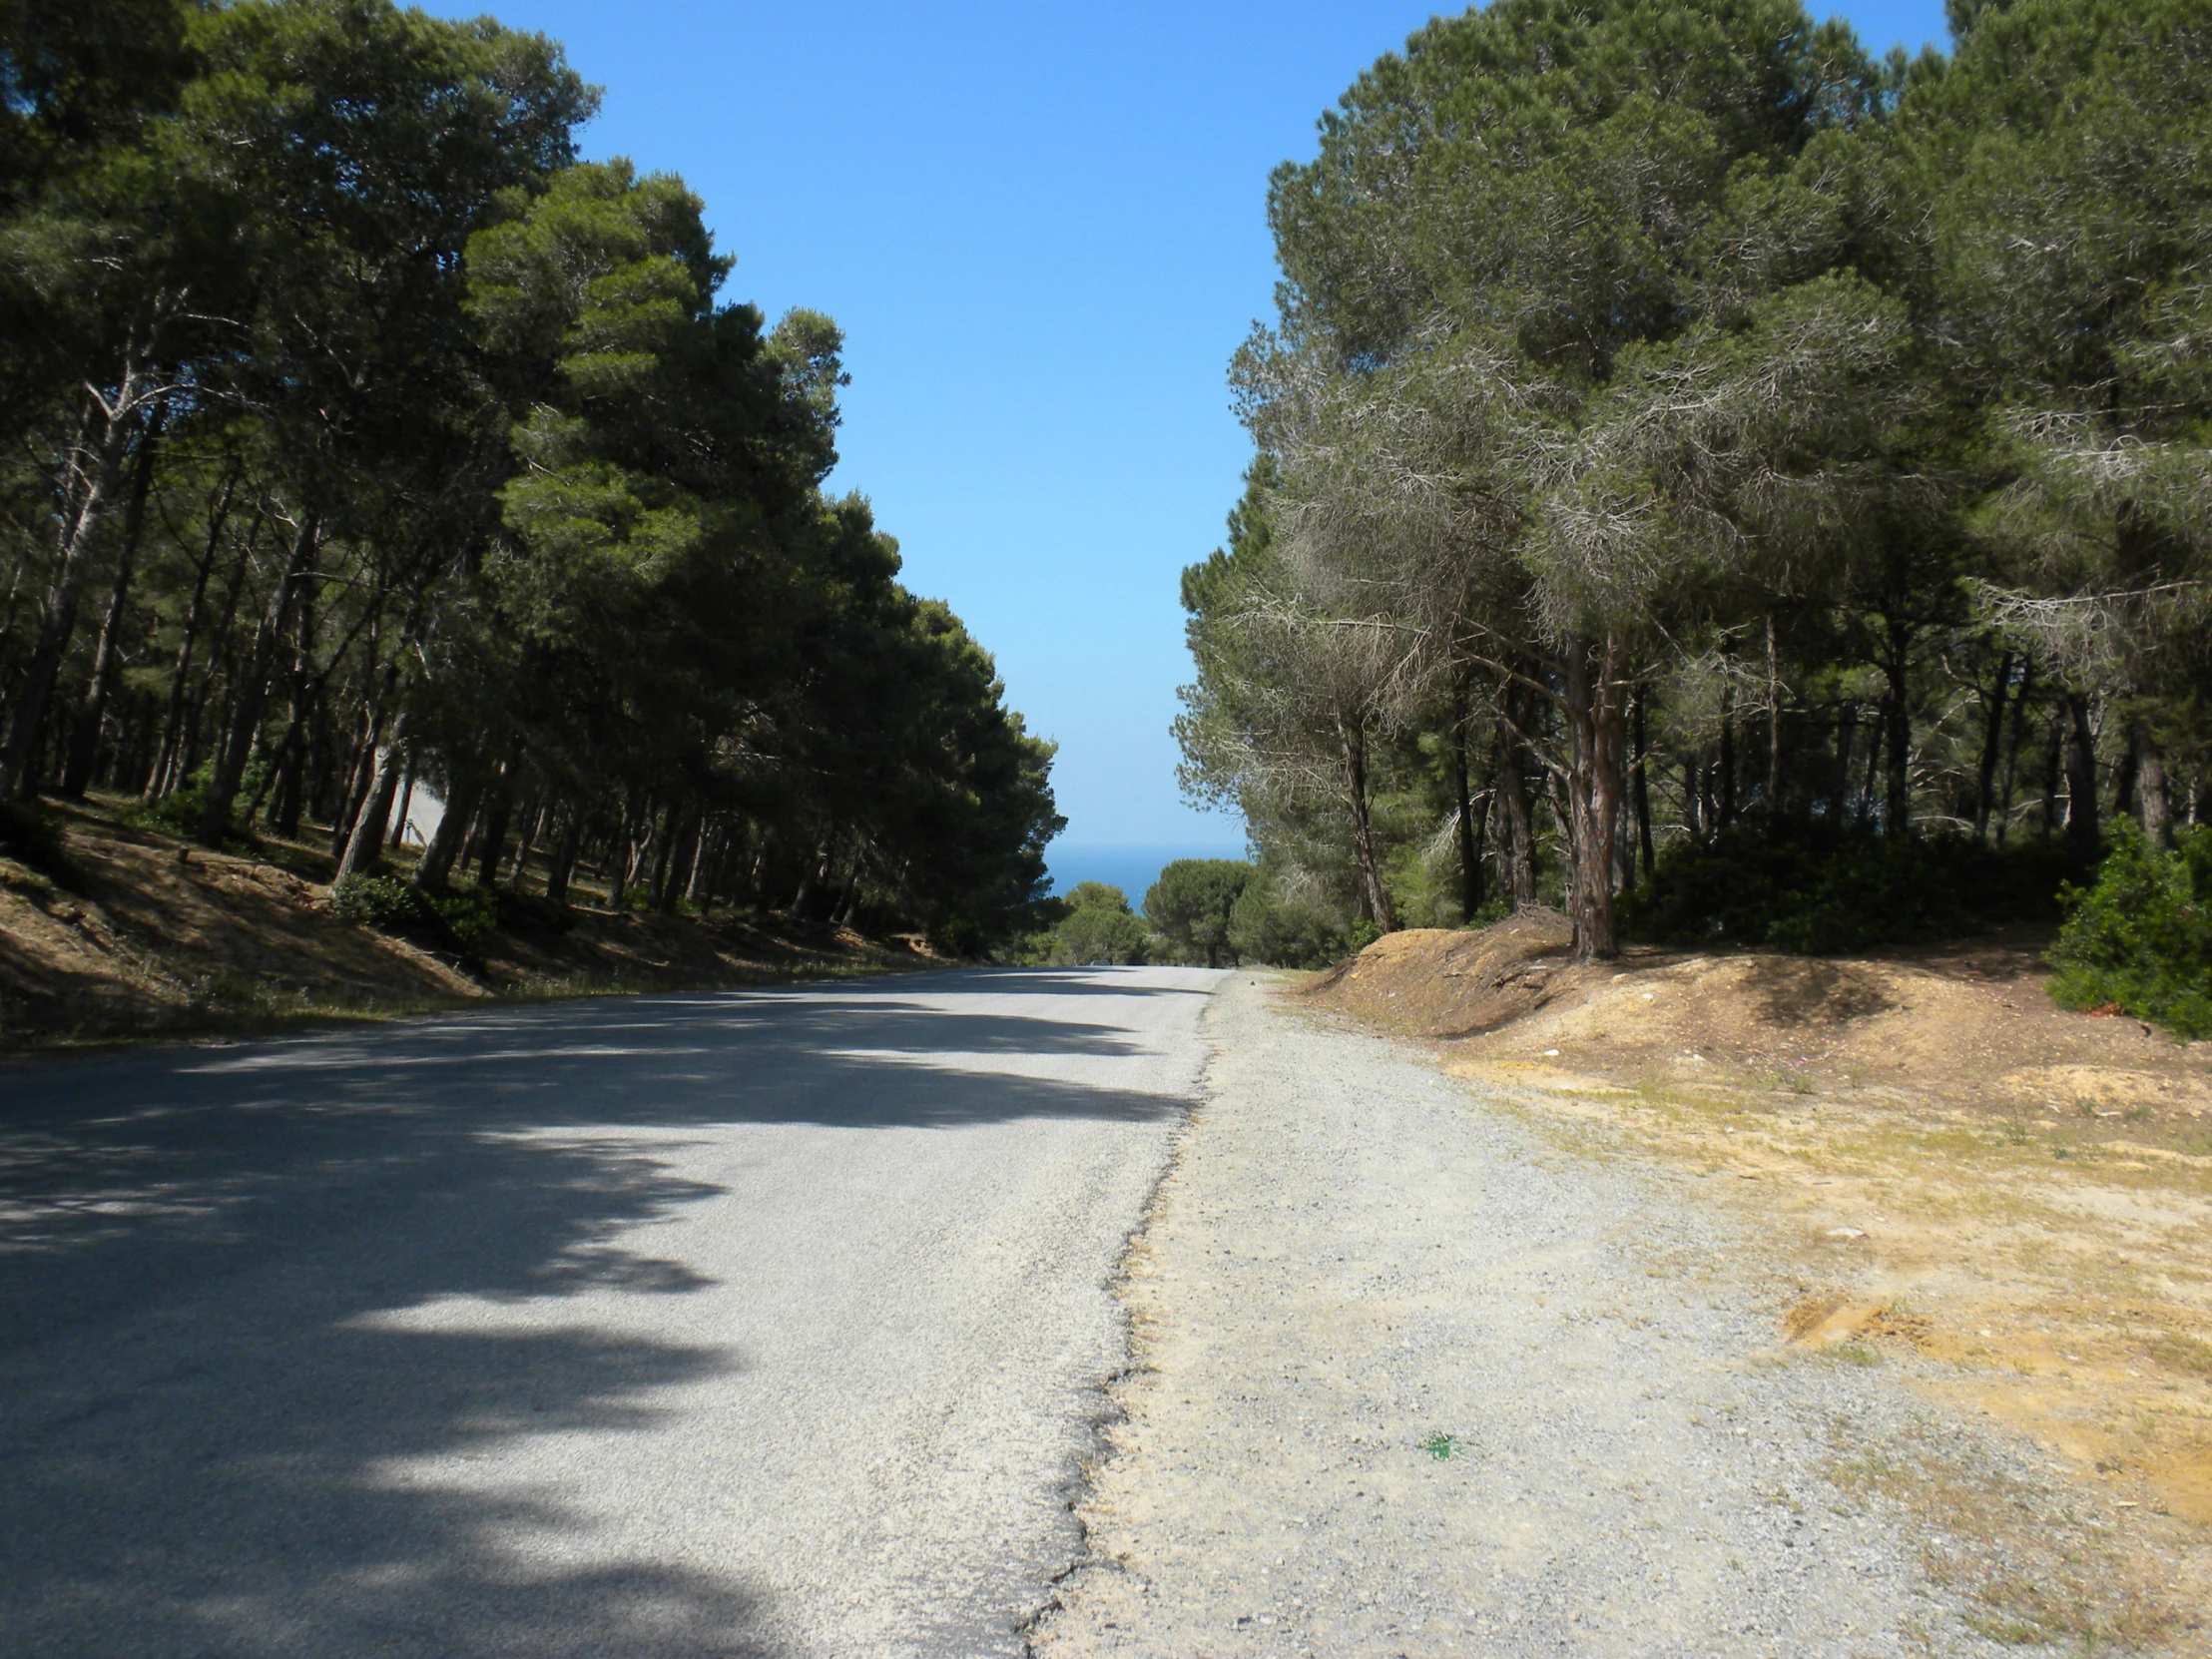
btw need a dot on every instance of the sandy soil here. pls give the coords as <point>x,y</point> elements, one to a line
<point>2009,1203</point>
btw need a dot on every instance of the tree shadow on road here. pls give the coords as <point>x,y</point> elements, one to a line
<point>177,1489</point>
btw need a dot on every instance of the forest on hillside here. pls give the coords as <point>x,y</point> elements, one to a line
<point>1722,482</point>
<point>359,440</point>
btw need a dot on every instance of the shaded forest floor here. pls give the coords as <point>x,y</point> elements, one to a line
<point>2008,1202</point>
<point>149,936</point>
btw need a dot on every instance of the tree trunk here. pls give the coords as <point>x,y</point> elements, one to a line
<point>681,852</point>
<point>1728,754</point>
<point>1462,785</point>
<point>253,685</point>
<point>1517,834</point>
<point>436,866</point>
<point>531,826</point>
<point>84,743</point>
<point>358,775</point>
<point>1774,723</point>
<point>664,853</point>
<point>91,482</point>
<point>1839,794</point>
<point>1897,733</point>
<point>2150,785</point>
<point>364,849</point>
<point>1992,746</point>
<point>1374,898</point>
<point>1596,729</point>
<point>497,810</point>
<point>399,817</point>
<point>1873,764</point>
<point>563,864</point>
<point>1642,786</point>
<point>2012,751</point>
<point>2083,835</point>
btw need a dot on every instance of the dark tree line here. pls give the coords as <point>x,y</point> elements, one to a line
<point>1679,421</point>
<point>361,440</point>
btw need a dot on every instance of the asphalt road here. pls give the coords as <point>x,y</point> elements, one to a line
<point>718,1324</point>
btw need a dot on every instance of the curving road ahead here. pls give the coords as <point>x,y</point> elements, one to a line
<point>760,1324</point>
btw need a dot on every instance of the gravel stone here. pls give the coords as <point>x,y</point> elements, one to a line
<point>1411,1381</point>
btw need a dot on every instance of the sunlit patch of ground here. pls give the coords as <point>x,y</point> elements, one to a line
<point>2006,1204</point>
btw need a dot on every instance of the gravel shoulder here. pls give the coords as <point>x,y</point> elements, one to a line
<point>1411,1382</point>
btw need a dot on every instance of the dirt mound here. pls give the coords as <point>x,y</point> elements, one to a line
<point>150,935</point>
<point>1965,1023</point>
<point>1438,982</point>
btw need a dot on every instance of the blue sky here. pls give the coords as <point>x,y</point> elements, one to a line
<point>1042,230</point>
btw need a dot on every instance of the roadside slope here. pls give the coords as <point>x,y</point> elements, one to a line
<point>147,934</point>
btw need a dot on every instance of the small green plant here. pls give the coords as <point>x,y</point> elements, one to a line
<point>1443,1448</point>
<point>179,812</point>
<point>468,913</point>
<point>391,906</point>
<point>379,901</point>
<point>1851,1354</point>
<point>2139,940</point>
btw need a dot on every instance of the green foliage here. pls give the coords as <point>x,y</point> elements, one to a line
<point>390,906</point>
<point>1801,889</point>
<point>383,902</point>
<point>1099,928</point>
<point>468,913</point>
<point>2139,938</point>
<point>1283,927</point>
<point>1190,905</point>
<point>183,811</point>
<point>372,395</point>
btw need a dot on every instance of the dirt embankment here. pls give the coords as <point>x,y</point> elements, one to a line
<point>150,935</point>
<point>2009,1202</point>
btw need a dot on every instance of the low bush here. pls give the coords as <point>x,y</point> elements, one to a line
<point>1805,889</point>
<point>391,906</point>
<point>1099,928</point>
<point>383,902</point>
<point>468,912</point>
<point>2139,938</point>
<point>179,812</point>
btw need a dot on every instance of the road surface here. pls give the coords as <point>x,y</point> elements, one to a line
<point>759,1322</point>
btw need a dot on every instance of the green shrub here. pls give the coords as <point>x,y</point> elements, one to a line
<point>468,912</point>
<point>1190,905</point>
<point>1806,889</point>
<point>179,813</point>
<point>383,902</point>
<point>1099,928</point>
<point>1273,924</point>
<point>2140,937</point>
<point>35,841</point>
<point>391,906</point>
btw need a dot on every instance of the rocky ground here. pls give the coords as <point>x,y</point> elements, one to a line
<point>1414,1378</point>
